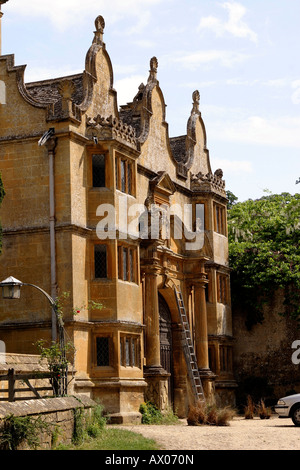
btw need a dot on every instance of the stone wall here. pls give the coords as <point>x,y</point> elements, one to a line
<point>57,412</point>
<point>263,356</point>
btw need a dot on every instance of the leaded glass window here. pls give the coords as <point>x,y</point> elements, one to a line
<point>102,346</point>
<point>100,254</point>
<point>98,163</point>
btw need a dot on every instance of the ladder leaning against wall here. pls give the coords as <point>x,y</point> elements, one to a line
<point>188,348</point>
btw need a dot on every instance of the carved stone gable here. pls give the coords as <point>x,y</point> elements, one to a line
<point>163,183</point>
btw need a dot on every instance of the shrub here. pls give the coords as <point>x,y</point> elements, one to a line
<point>17,430</point>
<point>262,411</point>
<point>95,422</point>
<point>150,413</point>
<point>88,424</point>
<point>249,408</point>
<point>207,413</point>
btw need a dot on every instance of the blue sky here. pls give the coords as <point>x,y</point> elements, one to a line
<point>243,57</point>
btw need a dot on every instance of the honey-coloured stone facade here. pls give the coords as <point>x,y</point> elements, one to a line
<point>102,162</point>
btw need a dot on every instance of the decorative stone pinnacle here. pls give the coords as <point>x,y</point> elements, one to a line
<point>99,25</point>
<point>153,69</point>
<point>196,101</point>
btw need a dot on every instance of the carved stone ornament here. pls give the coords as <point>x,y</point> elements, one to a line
<point>210,181</point>
<point>111,128</point>
<point>99,23</point>
<point>196,101</point>
<point>66,88</point>
<point>153,69</point>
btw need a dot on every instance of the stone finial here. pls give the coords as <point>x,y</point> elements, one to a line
<point>196,101</point>
<point>99,25</point>
<point>66,88</point>
<point>219,173</point>
<point>153,69</point>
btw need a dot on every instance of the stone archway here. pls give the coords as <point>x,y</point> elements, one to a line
<point>166,344</point>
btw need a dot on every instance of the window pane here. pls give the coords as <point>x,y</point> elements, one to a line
<point>100,261</point>
<point>98,171</point>
<point>123,176</point>
<point>125,275</point>
<point>117,172</point>
<point>131,267</point>
<point>102,351</point>
<point>133,355</point>
<point>127,352</point>
<point>129,179</point>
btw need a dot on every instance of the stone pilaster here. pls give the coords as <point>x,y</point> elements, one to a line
<point>155,376</point>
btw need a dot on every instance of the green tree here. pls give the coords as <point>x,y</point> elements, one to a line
<point>264,254</point>
<point>232,199</point>
<point>2,194</point>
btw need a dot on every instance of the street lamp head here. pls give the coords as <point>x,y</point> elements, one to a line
<point>11,288</point>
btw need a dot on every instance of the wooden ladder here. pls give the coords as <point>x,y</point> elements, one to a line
<point>188,349</point>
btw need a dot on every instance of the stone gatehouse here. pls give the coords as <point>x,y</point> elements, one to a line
<point>70,154</point>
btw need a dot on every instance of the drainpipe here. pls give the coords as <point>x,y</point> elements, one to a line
<point>51,144</point>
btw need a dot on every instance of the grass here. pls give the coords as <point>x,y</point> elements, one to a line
<point>113,439</point>
<point>91,433</point>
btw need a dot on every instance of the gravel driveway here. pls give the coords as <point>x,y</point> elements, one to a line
<point>241,434</point>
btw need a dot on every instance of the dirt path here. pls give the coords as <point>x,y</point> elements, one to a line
<point>241,434</point>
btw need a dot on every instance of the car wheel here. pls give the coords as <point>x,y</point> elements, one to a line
<point>296,416</point>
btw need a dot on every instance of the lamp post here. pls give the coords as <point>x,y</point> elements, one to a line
<point>11,289</point>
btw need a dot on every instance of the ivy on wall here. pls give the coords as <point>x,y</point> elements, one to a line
<point>264,253</point>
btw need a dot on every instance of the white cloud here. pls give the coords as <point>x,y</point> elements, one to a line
<point>199,84</point>
<point>277,82</point>
<point>296,93</point>
<point>125,69</point>
<point>34,74</point>
<point>280,131</point>
<point>195,59</point>
<point>145,43</point>
<point>233,166</point>
<point>64,14</point>
<point>239,81</point>
<point>128,87</point>
<point>233,25</point>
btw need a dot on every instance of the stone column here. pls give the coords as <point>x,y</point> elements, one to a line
<point>201,334</point>
<point>201,340</point>
<point>152,320</point>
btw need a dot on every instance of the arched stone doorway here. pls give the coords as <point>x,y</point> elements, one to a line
<point>166,344</point>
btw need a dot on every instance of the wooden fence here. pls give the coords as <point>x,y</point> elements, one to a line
<point>11,377</point>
